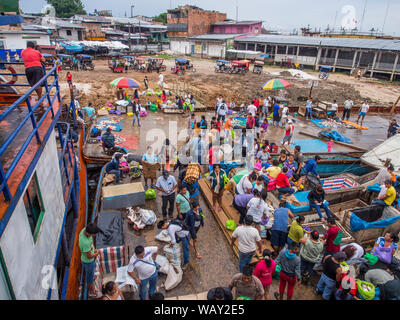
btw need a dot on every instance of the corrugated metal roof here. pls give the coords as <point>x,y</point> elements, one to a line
<point>233,22</point>
<point>373,44</point>
<point>215,36</point>
<point>387,149</point>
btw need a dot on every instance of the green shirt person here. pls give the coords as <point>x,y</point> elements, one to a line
<point>88,255</point>
<point>182,202</point>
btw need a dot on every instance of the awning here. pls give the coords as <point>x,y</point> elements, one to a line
<point>12,19</point>
<point>389,149</point>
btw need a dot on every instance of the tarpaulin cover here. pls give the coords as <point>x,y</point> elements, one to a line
<point>11,19</point>
<point>301,196</point>
<point>357,224</point>
<point>111,225</point>
<point>311,145</point>
<point>319,124</point>
<point>375,187</point>
<point>334,135</point>
<point>228,166</point>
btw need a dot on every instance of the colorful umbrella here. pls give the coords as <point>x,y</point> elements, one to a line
<point>124,82</point>
<point>275,84</point>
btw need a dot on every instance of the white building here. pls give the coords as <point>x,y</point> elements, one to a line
<point>206,45</point>
<point>14,39</point>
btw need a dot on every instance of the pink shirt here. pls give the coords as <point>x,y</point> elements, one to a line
<point>330,145</point>
<point>265,273</point>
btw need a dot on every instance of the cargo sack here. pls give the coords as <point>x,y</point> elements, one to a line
<point>365,289</point>
<point>338,239</point>
<point>231,225</point>
<point>384,254</point>
<point>150,194</point>
<point>148,217</point>
<point>163,263</point>
<point>240,175</point>
<point>192,173</point>
<point>173,254</point>
<point>163,236</point>
<point>174,277</point>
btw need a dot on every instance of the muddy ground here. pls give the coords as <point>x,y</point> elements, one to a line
<point>206,85</point>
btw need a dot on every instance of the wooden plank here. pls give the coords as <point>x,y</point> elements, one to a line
<point>228,213</point>
<point>355,125</point>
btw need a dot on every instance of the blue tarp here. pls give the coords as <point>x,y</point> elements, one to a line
<point>335,136</point>
<point>223,61</point>
<point>11,19</point>
<point>71,48</point>
<point>311,145</point>
<point>375,187</point>
<point>228,166</point>
<point>318,123</point>
<point>357,224</point>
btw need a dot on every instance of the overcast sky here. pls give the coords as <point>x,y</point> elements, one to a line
<point>283,15</point>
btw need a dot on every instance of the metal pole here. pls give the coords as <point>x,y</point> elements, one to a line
<point>384,21</point>
<point>362,19</point>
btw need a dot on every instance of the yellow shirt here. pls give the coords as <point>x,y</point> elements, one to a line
<point>296,231</point>
<point>391,195</point>
<point>273,171</point>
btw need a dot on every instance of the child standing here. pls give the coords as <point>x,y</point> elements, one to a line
<point>330,145</point>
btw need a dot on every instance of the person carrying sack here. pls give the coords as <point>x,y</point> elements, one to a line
<point>143,261</point>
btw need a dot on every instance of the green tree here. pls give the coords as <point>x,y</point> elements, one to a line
<point>67,8</point>
<point>161,18</point>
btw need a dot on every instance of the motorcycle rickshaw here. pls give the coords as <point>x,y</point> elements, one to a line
<point>49,60</point>
<point>131,60</point>
<point>142,64</point>
<point>324,72</point>
<point>86,61</point>
<point>157,64</point>
<point>239,66</point>
<point>258,67</point>
<point>222,66</point>
<point>181,66</point>
<point>115,61</point>
<point>66,61</point>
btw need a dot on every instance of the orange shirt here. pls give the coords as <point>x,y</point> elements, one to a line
<point>31,58</point>
<point>228,124</point>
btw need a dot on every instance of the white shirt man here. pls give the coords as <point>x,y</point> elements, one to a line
<point>248,237</point>
<point>334,107</point>
<point>144,267</point>
<point>365,107</point>
<point>348,103</point>
<point>285,112</point>
<point>252,109</point>
<point>244,185</point>
<point>161,80</point>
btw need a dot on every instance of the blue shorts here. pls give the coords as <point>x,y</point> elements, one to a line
<point>362,114</point>
<point>88,269</point>
<point>278,238</point>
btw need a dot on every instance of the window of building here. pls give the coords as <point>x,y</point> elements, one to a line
<point>308,51</point>
<point>69,32</point>
<point>281,50</point>
<point>34,206</point>
<point>292,50</point>
<point>204,47</point>
<point>1,45</point>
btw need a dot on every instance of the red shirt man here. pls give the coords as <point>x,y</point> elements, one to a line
<point>250,122</point>
<point>331,236</point>
<point>256,102</point>
<point>31,58</point>
<point>69,77</point>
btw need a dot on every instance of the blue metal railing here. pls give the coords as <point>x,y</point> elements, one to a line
<point>5,175</point>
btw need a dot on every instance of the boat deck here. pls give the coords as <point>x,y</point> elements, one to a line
<point>13,120</point>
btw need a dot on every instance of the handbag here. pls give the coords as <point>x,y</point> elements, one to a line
<point>384,254</point>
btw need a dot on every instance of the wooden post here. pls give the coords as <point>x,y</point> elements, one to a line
<point>394,106</point>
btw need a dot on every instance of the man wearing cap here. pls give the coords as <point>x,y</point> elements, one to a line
<point>388,198</point>
<point>289,129</point>
<point>331,275</point>
<point>167,185</point>
<point>394,128</point>
<point>249,240</point>
<point>88,255</point>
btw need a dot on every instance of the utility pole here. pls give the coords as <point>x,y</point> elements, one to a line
<point>237,11</point>
<point>130,25</point>
<point>362,19</point>
<point>384,21</point>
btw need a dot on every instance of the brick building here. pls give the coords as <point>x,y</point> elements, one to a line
<point>186,21</point>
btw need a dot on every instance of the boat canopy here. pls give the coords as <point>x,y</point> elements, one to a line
<point>181,60</point>
<point>223,61</point>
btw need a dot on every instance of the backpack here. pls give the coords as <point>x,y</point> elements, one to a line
<point>95,132</point>
<point>180,223</point>
<point>222,106</point>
